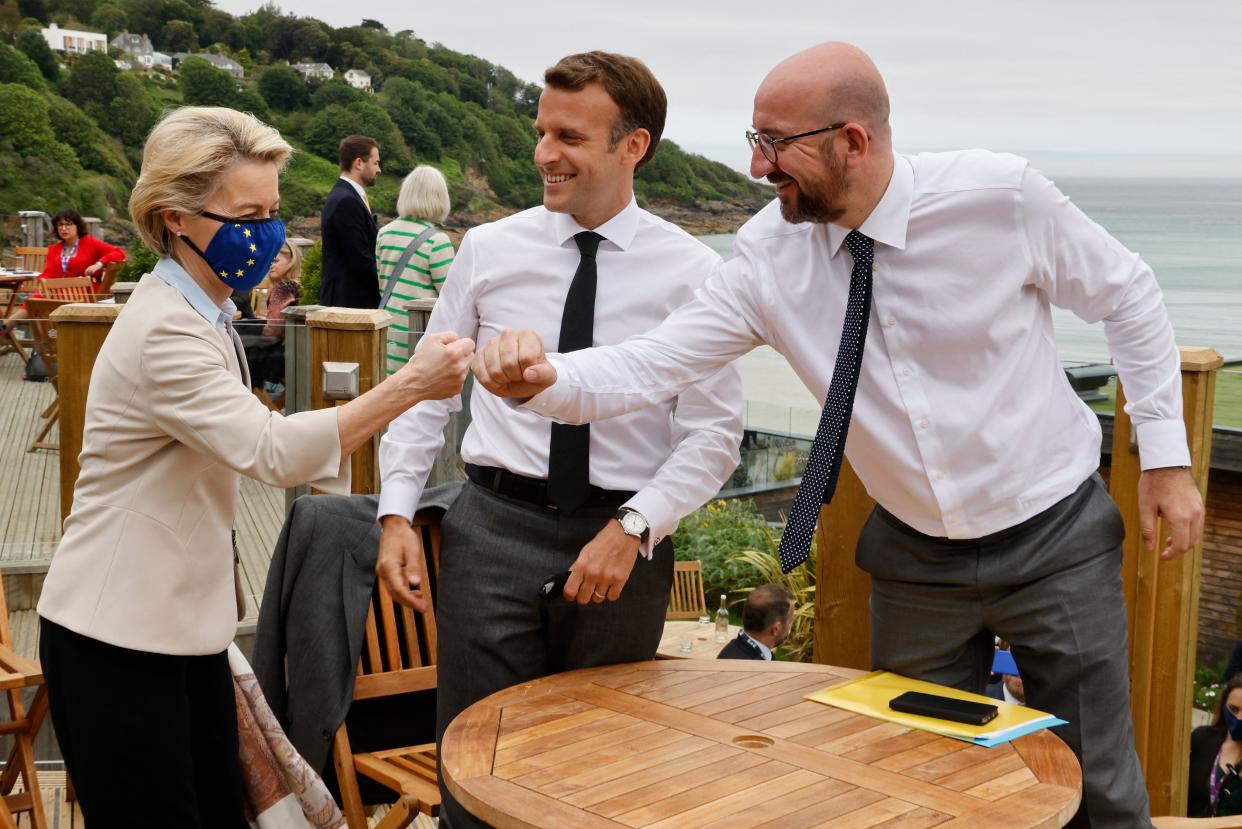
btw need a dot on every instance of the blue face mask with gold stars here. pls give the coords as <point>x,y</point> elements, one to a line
<point>242,250</point>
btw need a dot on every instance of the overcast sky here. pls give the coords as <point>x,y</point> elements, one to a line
<point>1126,87</point>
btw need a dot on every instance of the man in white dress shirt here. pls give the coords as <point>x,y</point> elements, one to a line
<point>545,499</point>
<point>991,518</point>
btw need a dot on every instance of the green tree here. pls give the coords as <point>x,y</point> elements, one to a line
<point>204,85</point>
<point>109,18</point>
<point>130,112</point>
<point>91,83</point>
<point>324,133</point>
<point>32,44</point>
<point>282,87</point>
<point>16,68</point>
<point>179,36</point>
<point>335,91</point>
<point>249,100</point>
<point>25,126</point>
<point>36,9</point>
<point>94,149</point>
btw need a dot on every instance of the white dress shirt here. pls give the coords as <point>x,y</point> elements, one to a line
<point>964,423</point>
<point>515,273</point>
<point>764,650</point>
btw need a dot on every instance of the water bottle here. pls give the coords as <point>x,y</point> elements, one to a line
<point>722,622</point>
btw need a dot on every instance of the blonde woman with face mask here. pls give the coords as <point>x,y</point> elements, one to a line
<point>139,606</point>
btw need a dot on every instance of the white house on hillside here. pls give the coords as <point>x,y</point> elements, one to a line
<point>71,40</point>
<point>138,47</point>
<point>219,61</point>
<point>314,71</point>
<point>358,79</point>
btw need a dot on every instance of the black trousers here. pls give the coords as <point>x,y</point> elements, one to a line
<point>493,630</point>
<point>149,740</point>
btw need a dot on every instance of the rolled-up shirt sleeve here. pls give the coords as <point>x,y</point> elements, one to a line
<point>200,402</point>
<point>1085,270</point>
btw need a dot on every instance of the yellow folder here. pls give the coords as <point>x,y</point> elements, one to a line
<point>871,694</point>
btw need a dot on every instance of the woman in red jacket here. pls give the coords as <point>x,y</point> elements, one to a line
<point>78,253</point>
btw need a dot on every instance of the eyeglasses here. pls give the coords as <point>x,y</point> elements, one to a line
<point>767,144</point>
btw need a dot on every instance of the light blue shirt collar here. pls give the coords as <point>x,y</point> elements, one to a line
<point>763,649</point>
<point>175,276</point>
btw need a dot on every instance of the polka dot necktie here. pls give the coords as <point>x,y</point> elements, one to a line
<point>819,479</point>
<point>569,453</point>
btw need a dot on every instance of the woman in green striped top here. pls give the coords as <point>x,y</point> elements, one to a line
<point>423,200</point>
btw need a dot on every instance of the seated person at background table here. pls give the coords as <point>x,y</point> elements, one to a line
<point>265,351</point>
<point>543,499</point>
<point>767,618</point>
<point>423,200</point>
<point>78,253</point>
<point>1216,758</point>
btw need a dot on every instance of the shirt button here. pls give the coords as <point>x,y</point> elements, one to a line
<point>907,371</point>
<point>923,424</point>
<point>890,321</point>
<point>952,519</point>
<point>938,475</point>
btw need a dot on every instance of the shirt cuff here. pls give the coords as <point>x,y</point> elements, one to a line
<point>398,497</point>
<point>1162,443</point>
<point>652,505</point>
<point>555,397</point>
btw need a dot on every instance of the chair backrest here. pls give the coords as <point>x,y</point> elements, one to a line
<point>399,649</point>
<point>686,600</point>
<point>40,310</point>
<point>258,297</point>
<point>73,288</point>
<point>110,272</point>
<point>31,259</point>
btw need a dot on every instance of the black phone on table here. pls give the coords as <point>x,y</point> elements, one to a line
<point>944,708</point>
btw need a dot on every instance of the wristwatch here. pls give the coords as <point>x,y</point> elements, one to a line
<point>633,523</point>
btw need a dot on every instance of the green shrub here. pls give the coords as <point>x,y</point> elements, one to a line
<point>312,274</point>
<point>1208,686</point>
<point>714,534</point>
<point>139,260</point>
<point>16,67</point>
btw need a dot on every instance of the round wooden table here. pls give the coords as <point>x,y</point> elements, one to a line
<point>703,644</point>
<point>678,744</point>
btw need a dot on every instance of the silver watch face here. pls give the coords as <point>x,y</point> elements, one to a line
<point>633,524</point>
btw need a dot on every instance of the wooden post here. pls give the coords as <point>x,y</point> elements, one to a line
<point>1162,598</point>
<point>447,466</point>
<point>350,335</point>
<point>297,375</point>
<point>842,590</point>
<point>80,333</point>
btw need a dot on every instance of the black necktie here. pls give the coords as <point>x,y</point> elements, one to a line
<point>569,455</point>
<point>819,479</point>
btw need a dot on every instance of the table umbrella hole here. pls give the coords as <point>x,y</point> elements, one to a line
<point>753,741</point>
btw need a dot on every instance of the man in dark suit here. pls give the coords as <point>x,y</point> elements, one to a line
<point>766,619</point>
<point>350,279</point>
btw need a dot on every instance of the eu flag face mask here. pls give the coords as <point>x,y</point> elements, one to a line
<point>1232,724</point>
<point>242,250</point>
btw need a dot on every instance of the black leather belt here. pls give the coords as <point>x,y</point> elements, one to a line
<point>535,490</point>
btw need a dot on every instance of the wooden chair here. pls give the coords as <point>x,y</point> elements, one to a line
<point>40,309</point>
<point>16,675</point>
<point>31,259</point>
<point>110,272</point>
<point>398,657</point>
<point>686,600</point>
<point>15,340</point>
<point>72,288</point>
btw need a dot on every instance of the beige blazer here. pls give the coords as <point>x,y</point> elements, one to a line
<point>146,560</point>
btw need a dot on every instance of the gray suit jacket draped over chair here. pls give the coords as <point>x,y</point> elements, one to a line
<point>310,630</point>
